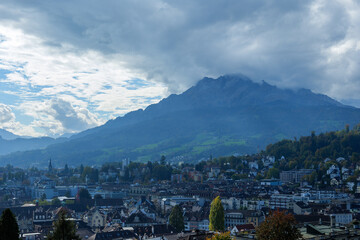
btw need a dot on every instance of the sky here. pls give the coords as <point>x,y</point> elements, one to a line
<point>70,65</point>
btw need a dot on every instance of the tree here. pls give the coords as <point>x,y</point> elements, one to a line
<point>81,169</point>
<point>91,173</point>
<point>66,169</point>
<point>161,172</point>
<point>176,219</point>
<point>273,173</point>
<point>221,236</point>
<point>163,160</point>
<point>279,225</point>
<point>43,197</point>
<point>68,193</point>
<point>63,229</point>
<point>217,216</point>
<point>9,229</point>
<point>56,202</point>
<point>97,197</point>
<point>83,195</point>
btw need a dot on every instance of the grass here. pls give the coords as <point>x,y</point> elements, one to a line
<point>146,147</point>
<point>235,142</point>
<point>143,158</point>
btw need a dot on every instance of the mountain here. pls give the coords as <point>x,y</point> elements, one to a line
<point>24,144</point>
<point>228,115</point>
<point>10,142</point>
<point>7,135</point>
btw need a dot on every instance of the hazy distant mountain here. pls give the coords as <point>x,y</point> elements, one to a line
<point>10,142</point>
<point>7,135</point>
<point>216,117</point>
<point>24,144</point>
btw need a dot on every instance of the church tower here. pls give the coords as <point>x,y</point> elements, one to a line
<point>50,168</point>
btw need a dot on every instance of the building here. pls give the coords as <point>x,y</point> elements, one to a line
<point>95,218</point>
<point>323,232</point>
<point>339,216</point>
<point>240,217</point>
<point>254,217</point>
<point>301,208</point>
<point>271,182</point>
<point>234,218</point>
<point>242,228</point>
<point>139,219</point>
<point>294,176</point>
<point>282,201</point>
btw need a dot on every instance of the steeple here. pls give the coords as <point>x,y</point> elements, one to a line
<point>50,168</point>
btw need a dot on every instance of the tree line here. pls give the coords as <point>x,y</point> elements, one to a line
<point>62,227</point>
<point>278,225</point>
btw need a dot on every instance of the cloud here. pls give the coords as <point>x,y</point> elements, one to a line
<point>85,51</point>
<point>57,116</point>
<point>8,122</point>
<point>6,114</point>
<point>41,74</point>
<point>71,119</point>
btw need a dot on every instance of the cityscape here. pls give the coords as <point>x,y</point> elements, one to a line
<point>179,120</point>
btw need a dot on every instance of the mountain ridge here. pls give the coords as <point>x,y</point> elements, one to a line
<point>7,135</point>
<point>227,115</point>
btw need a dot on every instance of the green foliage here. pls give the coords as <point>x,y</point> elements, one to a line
<point>98,197</point>
<point>176,219</point>
<point>217,215</point>
<point>9,228</point>
<point>68,193</point>
<point>43,202</point>
<point>239,176</point>
<point>83,195</point>
<point>56,202</point>
<point>43,197</point>
<point>163,160</point>
<point>63,229</point>
<point>69,202</point>
<point>311,178</point>
<point>147,171</point>
<point>310,151</point>
<point>273,173</point>
<point>91,173</point>
<point>162,172</point>
<point>278,225</point>
<point>221,236</point>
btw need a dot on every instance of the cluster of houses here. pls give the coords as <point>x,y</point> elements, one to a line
<point>133,210</point>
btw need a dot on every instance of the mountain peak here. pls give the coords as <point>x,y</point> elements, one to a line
<point>222,116</point>
<point>239,90</point>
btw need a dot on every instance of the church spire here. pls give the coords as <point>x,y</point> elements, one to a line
<point>50,168</point>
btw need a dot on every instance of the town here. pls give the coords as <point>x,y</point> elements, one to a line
<point>130,200</point>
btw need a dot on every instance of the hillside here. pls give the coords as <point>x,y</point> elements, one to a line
<point>319,152</point>
<point>228,115</point>
<point>310,151</point>
<point>7,135</point>
<point>10,142</point>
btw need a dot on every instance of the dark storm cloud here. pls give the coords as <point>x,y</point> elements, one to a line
<point>312,44</point>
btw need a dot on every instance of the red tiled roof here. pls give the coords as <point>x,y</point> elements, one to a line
<point>245,227</point>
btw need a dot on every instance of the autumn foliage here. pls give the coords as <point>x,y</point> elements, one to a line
<point>220,236</point>
<point>279,225</point>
